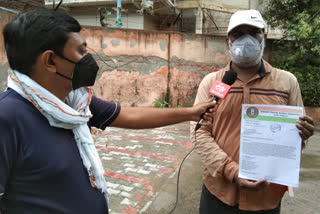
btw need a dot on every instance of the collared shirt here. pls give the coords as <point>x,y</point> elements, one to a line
<point>218,142</point>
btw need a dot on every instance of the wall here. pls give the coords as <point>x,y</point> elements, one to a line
<point>314,113</point>
<point>4,66</point>
<point>133,65</point>
<point>240,3</point>
<point>192,57</point>
<point>139,67</point>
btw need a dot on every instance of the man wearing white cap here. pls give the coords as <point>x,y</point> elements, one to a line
<point>218,142</point>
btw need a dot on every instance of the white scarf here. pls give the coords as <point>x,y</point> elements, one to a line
<point>74,114</point>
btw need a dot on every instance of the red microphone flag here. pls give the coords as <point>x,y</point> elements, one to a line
<point>220,89</point>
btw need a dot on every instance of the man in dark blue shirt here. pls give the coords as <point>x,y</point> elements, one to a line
<point>48,163</point>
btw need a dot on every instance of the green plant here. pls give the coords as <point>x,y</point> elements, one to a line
<point>308,75</point>
<point>158,104</point>
<point>299,50</point>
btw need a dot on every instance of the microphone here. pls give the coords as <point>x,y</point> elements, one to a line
<point>220,90</point>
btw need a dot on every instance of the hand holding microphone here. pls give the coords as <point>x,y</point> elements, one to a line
<point>220,90</point>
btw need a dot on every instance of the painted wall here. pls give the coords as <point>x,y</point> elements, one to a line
<point>138,67</point>
<point>133,65</point>
<point>4,66</point>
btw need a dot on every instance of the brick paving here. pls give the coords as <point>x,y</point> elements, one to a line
<point>138,162</point>
<point>141,168</point>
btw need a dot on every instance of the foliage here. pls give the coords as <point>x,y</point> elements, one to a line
<point>119,22</point>
<point>158,104</point>
<point>299,50</point>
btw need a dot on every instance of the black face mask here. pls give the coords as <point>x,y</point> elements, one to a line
<point>84,73</point>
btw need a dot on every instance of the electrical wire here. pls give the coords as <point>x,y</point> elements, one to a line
<point>178,177</point>
<point>56,8</point>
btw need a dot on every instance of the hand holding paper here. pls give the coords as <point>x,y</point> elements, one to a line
<point>249,184</point>
<point>305,125</point>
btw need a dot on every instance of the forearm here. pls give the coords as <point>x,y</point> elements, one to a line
<point>143,118</point>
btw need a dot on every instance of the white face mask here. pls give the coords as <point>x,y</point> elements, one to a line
<point>246,51</point>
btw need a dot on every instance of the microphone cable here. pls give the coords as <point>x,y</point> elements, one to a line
<point>178,176</point>
<point>197,126</point>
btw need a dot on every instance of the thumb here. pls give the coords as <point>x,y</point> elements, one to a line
<point>211,104</point>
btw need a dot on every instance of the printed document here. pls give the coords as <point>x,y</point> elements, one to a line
<point>270,144</point>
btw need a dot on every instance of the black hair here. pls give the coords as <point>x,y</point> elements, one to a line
<point>34,31</point>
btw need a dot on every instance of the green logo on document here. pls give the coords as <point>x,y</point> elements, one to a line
<point>252,112</point>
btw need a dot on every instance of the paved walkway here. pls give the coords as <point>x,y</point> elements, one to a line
<point>141,168</point>
<point>139,163</point>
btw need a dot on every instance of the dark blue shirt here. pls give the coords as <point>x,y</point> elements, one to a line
<point>41,171</point>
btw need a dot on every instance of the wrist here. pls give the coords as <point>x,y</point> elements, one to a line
<point>191,114</point>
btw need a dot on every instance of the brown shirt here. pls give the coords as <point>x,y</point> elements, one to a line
<point>218,142</point>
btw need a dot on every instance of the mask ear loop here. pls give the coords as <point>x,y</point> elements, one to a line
<point>230,45</point>
<point>229,42</point>
<point>65,58</point>
<point>64,76</point>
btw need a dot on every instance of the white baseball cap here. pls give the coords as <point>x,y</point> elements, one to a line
<point>246,17</point>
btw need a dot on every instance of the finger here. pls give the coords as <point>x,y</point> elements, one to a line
<point>301,133</point>
<point>262,184</point>
<point>307,123</point>
<point>305,128</point>
<point>210,110</point>
<point>210,105</point>
<point>246,184</point>
<point>253,185</point>
<point>303,136</point>
<point>209,114</point>
<point>207,117</point>
<point>307,133</point>
<point>307,118</point>
<point>308,126</point>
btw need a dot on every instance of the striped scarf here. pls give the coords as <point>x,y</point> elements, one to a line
<point>74,114</point>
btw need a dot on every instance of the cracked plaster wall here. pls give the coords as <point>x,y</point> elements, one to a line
<point>138,67</point>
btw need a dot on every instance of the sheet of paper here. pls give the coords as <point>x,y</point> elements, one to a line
<point>270,145</point>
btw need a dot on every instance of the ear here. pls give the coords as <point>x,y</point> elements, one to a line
<point>265,40</point>
<point>47,60</point>
<point>227,43</point>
